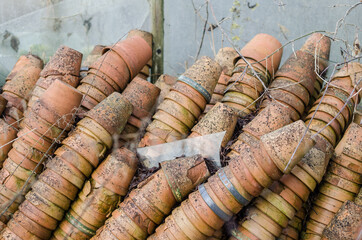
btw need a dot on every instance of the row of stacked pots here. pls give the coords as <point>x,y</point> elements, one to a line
<point>262,154</point>
<point>223,206</point>
<point>113,70</point>
<point>16,91</point>
<point>66,172</point>
<point>279,204</point>
<point>48,119</point>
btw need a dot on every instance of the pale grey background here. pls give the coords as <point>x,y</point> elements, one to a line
<point>41,26</point>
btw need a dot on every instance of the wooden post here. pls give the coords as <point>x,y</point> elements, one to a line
<point>158,35</point>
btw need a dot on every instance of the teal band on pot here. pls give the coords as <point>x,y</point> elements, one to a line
<point>224,179</point>
<point>79,225</point>
<point>84,69</point>
<point>196,86</point>
<point>219,212</point>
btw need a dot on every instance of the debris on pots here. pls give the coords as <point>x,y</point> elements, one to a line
<point>220,118</point>
<point>183,105</point>
<point>99,196</point>
<point>144,73</point>
<point>226,58</point>
<point>342,182</point>
<point>252,73</point>
<point>112,71</point>
<point>45,123</point>
<point>91,58</point>
<point>19,84</point>
<point>274,211</point>
<point>66,173</point>
<point>143,96</point>
<point>292,86</point>
<point>165,83</point>
<point>147,205</point>
<point>64,65</point>
<point>233,187</point>
<point>25,61</point>
<point>287,195</point>
<point>333,112</point>
<point>346,224</point>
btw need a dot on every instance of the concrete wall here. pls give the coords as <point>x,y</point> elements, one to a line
<point>41,26</point>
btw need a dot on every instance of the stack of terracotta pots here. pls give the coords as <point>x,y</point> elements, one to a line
<point>294,226</point>
<point>183,105</point>
<point>225,57</point>
<point>16,90</point>
<point>64,65</point>
<point>165,83</point>
<point>146,206</point>
<point>66,173</point>
<point>338,97</point>
<point>277,206</point>
<point>234,186</point>
<point>220,118</point>
<point>318,45</point>
<point>143,96</point>
<point>43,124</point>
<point>342,182</point>
<point>284,198</point>
<point>24,61</point>
<point>99,196</point>
<point>112,71</point>
<point>91,58</point>
<point>144,73</point>
<point>293,84</point>
<point>248,82</point>
<point>346,224</point>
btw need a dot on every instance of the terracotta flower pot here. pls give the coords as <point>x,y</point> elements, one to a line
<point>120,165</point>
<point>23,82</point>
<point>114,66</point>
<point>165,83</point>
<point>91,58</point>
<point>64,61</point>
<point>318,45</point>
<point>135,51</point>
<point>110,117</point>
<point>300,68</point>
<point>227,192</point>
<point>219,118</point>
<point>99,83</point>
<point>23,61</point>
<point>185,102</point>
<point>142,95</point>
<point>269,119</point>
<point>54,108</point>
<point>260,47</point>
<point>174,181</point>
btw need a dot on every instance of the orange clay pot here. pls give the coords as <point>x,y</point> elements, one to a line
<point>318,45</point>
<point>260,47</point>
<point>148,92</point>
<point>65,61</point>
<point>173,183</point>
<point>24,61</point>
<point>135,51</point>
<point>219,118</point>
